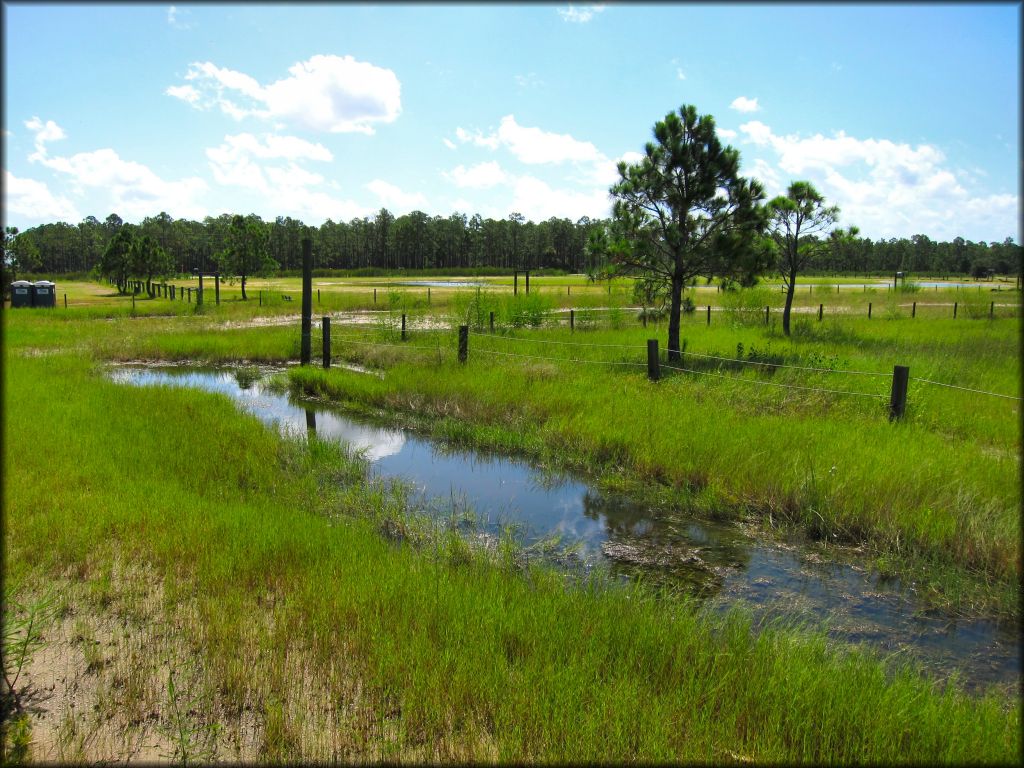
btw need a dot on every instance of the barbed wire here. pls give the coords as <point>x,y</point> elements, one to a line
<point>965,389</point>
<point>773,383</point>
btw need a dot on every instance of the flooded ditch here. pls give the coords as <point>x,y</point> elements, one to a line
<point>717,561</point>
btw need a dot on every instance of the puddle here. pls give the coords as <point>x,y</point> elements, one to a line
<point>442,283</point>
<point>716,561</point>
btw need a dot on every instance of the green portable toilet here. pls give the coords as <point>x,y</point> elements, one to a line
<point>44,294</point>
<point>21,293</point>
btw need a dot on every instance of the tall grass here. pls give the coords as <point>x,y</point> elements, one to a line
<point>430,653</point>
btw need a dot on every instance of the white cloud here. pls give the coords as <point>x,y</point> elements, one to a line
<point>394,199</point>
<point>173,19</point>
<point>528,81</point>
<point>726,133</point>
<point>326,93</point>
<point>743,104</point>
<point>580,15</point>
<point>479,176</point>
<point>680,75</point>
<point>186,93</point>
<point>477,138</point>
<point>537,201</point>
<point>135,190</point>
<point>34,200</point>
<point>888,189</point>
<point>534,146</point>
<point>449,143</point>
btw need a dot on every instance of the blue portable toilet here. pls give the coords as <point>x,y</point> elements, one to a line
<point>44,294</point>
<point>21,294</point>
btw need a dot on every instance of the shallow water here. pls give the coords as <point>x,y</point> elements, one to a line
<point>441,283</point>
<point>717,561</point>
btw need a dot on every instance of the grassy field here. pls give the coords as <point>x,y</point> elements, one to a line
<point>225,593</point>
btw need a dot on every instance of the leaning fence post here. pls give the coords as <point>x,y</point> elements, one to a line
<point>327,341</point>
<point>403,326</point>
<point>463,342</point>
<point>898,400</point>
<point>653,371</point>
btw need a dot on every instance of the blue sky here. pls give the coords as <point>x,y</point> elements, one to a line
<point>907,117</point>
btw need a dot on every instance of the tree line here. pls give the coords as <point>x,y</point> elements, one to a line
<point>418,241</point>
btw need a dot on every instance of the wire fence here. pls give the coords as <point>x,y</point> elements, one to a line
<point>436,347</point>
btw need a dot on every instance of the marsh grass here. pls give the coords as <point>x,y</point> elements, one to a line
<point>317,638</point>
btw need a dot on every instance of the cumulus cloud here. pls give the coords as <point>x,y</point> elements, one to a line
<point>533,145</point>
<point>479,176</point>
<point>449,143</point>
<point>743,104</point>
<point>396,200</point>
<point>580,15</point>
<point>726,133</point>
<point>327,93</point>
<point>34,200</point>
<point>135,190</point>
<point>886,188</point>
<point>538,201</point>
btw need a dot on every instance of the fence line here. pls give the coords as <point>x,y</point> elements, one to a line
<point>694,354</point>
<point>965,389</point>
<point>773,383</point>
<point>438,348</point>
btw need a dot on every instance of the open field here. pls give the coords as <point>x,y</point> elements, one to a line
<point>182,537</point>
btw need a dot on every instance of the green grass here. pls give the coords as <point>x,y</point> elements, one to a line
<point>455,655</point>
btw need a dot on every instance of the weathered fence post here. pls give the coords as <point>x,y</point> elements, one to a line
<point>428,294</point>
<point>65,301</point>
<point>490,321</point>
<point>327,341</point>
<point>821,312</point>
<point>766,314</point>
<point>261,298</point>
<point>869,310</point>
<point>403,326</point>
<point>653,371</point>
<point>307,299</point>
<point>898,400</point>
<point>572,320</point>
<point>913,309</point>
<point>374,295</point>
<point>954,310</point>
<point>463,342</point>
<point>527,282</point>
<point>317,295</point>
<point>568,290</point>
<point>991,310</point>
<point>709,314</point>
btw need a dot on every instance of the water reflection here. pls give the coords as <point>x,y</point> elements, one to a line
<point>716,561</point>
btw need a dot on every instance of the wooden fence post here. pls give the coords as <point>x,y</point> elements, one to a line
<point>568,290</point>
<point>403,326</point>
<point>374,295</point>
<point>65,301</point>
<point>572,320</point>
<point>898,400</point>
<point>216,288</point>
<point>991,310</point>
<point>199,291</point>
<point>491,321</point>
<point>821,312</point>
<point>653,371</point>
<point>428,294</point>
<point>709,314</point>
<point>133,302</point>
<point>515,283</point>
<point>463,343</point>
<point>869,310</point>
<point>766,314</point>
<point>261,298</point>
<point>913,309</point>
<point>317,295</point>
<point>327,341</point>
<point>954,310</point>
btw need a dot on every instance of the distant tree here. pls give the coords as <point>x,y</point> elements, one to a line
<point>149,260</point>
<point>247,249</point>
<point>20,255</point>
<point>797,222</point>
<point>684,210</point>
<point>116,261</point>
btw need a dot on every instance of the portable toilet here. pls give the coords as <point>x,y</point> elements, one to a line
<point>21,293</point>
<point>44,294</point>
